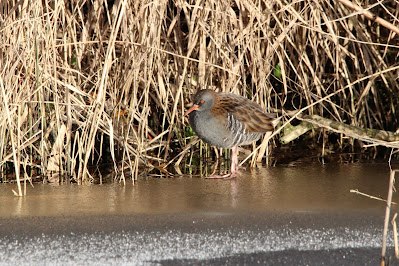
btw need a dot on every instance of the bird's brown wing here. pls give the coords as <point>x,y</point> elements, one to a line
<point>249,113</point>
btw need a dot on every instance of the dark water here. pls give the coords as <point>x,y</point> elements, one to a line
<point>314,187</point>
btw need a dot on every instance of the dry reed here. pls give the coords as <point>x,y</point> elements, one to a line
<point>73,72</point>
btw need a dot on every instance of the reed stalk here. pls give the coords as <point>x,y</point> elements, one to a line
<point>125,70</point>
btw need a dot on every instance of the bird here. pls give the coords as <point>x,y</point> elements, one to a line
<point>228,120</point>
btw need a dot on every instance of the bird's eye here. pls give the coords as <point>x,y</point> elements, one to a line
<point>202,101</point>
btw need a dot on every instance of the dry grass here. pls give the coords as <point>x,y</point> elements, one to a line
<point>73,71</point>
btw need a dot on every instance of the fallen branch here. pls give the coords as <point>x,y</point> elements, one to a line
<point>375,136</point>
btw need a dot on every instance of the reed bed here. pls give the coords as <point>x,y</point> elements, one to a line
<point>81,79</point>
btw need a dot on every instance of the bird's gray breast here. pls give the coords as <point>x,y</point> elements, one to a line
<point>217,132</point>
<point>210,129</point>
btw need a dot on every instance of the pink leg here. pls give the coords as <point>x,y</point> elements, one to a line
<point>234,160</point>
<point>233,168</point>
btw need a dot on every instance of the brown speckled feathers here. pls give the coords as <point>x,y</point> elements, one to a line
<point>249,113</point>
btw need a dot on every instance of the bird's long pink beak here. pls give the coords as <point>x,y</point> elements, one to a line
<point>194,107</point>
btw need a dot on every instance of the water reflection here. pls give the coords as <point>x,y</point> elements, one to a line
<point>313,187</point>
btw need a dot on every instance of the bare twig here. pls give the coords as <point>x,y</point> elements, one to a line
<point>367,195</point>
<point>371,16</point>
<point>395,235</point>
<point>387,213</point>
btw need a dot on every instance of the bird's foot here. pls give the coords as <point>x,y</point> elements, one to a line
<point>224,177</point>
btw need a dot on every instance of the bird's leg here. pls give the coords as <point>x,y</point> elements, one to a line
<point>234,160</point>
<point>234,166</point>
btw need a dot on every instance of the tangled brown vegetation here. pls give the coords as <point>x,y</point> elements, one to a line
<point>73,72</point>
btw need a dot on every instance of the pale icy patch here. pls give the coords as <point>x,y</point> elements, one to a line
<point>149,247</point>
